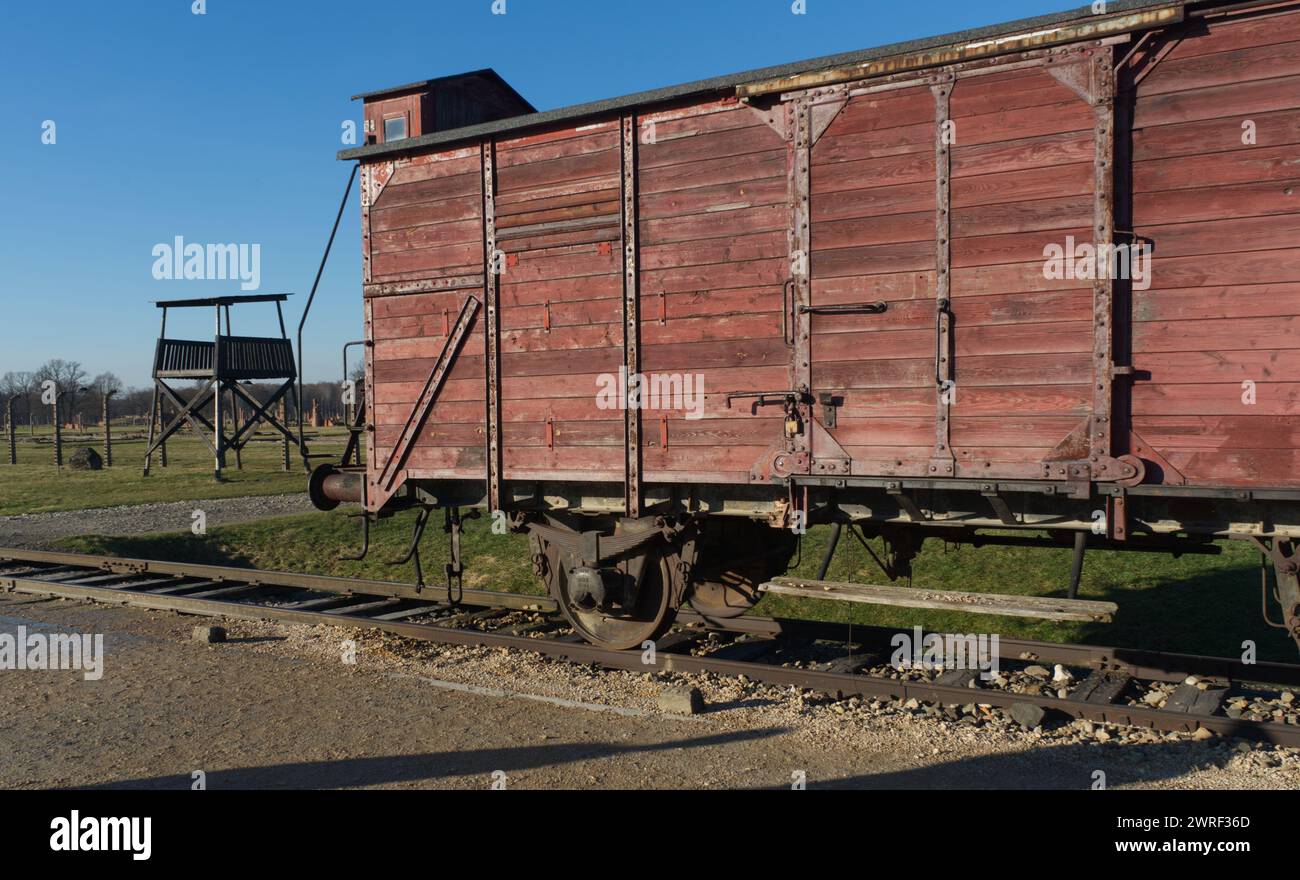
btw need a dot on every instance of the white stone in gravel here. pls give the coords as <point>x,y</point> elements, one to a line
<point>681,700</point>
<point>209,634</point>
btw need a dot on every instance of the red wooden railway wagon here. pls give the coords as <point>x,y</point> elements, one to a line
<point>876,267</point>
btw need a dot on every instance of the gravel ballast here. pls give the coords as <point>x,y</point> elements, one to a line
<point>40,531</point>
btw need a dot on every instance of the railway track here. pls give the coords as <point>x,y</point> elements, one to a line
<point>1108,685</point>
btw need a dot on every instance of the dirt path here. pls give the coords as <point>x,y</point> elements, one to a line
<point>41,530</point>
<point>277,706</point>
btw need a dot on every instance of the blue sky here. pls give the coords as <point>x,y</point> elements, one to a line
<point>223,127</point>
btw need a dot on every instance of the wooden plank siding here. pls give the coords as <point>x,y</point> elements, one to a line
<point>1021,178</point>
<point>1039,153</point>
<point>713,216</point>
<point>716,212</point>
<point>427,225</point>
<point>1223,218</point>
<point>873,223</point>
<point>559,226</point>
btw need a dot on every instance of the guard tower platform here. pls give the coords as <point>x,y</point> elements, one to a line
<point>224,365</point>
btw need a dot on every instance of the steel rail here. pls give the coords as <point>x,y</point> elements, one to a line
<point>1136,662</point>
<point>73,567</point>
<point>1139,664</point>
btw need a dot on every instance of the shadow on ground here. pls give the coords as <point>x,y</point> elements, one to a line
<point>1070,766</point>
<point>1067,766</point>
<point>430,767</point>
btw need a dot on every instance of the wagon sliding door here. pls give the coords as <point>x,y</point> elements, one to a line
<point>558,227</point>
<point>935,201</point>
<point>713,213</point>
<point>873,240</point>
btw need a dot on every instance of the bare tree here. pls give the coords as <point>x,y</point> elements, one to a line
<point>106,383</point>
<point>22,385</point>
<point>68,377</point>
<point>83,396</point>
<point>103,385</point>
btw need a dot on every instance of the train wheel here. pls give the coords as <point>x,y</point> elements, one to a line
<point>726,582</point>
<point>622,628</point>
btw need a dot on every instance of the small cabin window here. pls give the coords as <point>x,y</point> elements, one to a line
<point>394,127</point>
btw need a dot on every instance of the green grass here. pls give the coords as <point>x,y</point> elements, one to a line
<point>1196,604</point>
<point>312,543</point>
<point>35,485</point>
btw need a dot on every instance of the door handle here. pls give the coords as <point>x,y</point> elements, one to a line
<point>941,314</point>
<point>787,304</point>
<point>862,308</point>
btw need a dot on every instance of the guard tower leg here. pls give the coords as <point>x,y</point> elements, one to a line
<point>162,447</point>
<point>234,422</point>
<point>13,432</point>
<point>58,430</point>
<point>153,423</point>
<point>285,439</point>
<point>218,434</point>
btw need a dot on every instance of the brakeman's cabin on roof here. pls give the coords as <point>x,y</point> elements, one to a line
<point>437,105</point>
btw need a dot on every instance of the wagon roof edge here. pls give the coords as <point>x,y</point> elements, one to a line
<point>731,81</point>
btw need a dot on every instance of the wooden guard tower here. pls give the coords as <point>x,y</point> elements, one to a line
<point>224,364</point>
